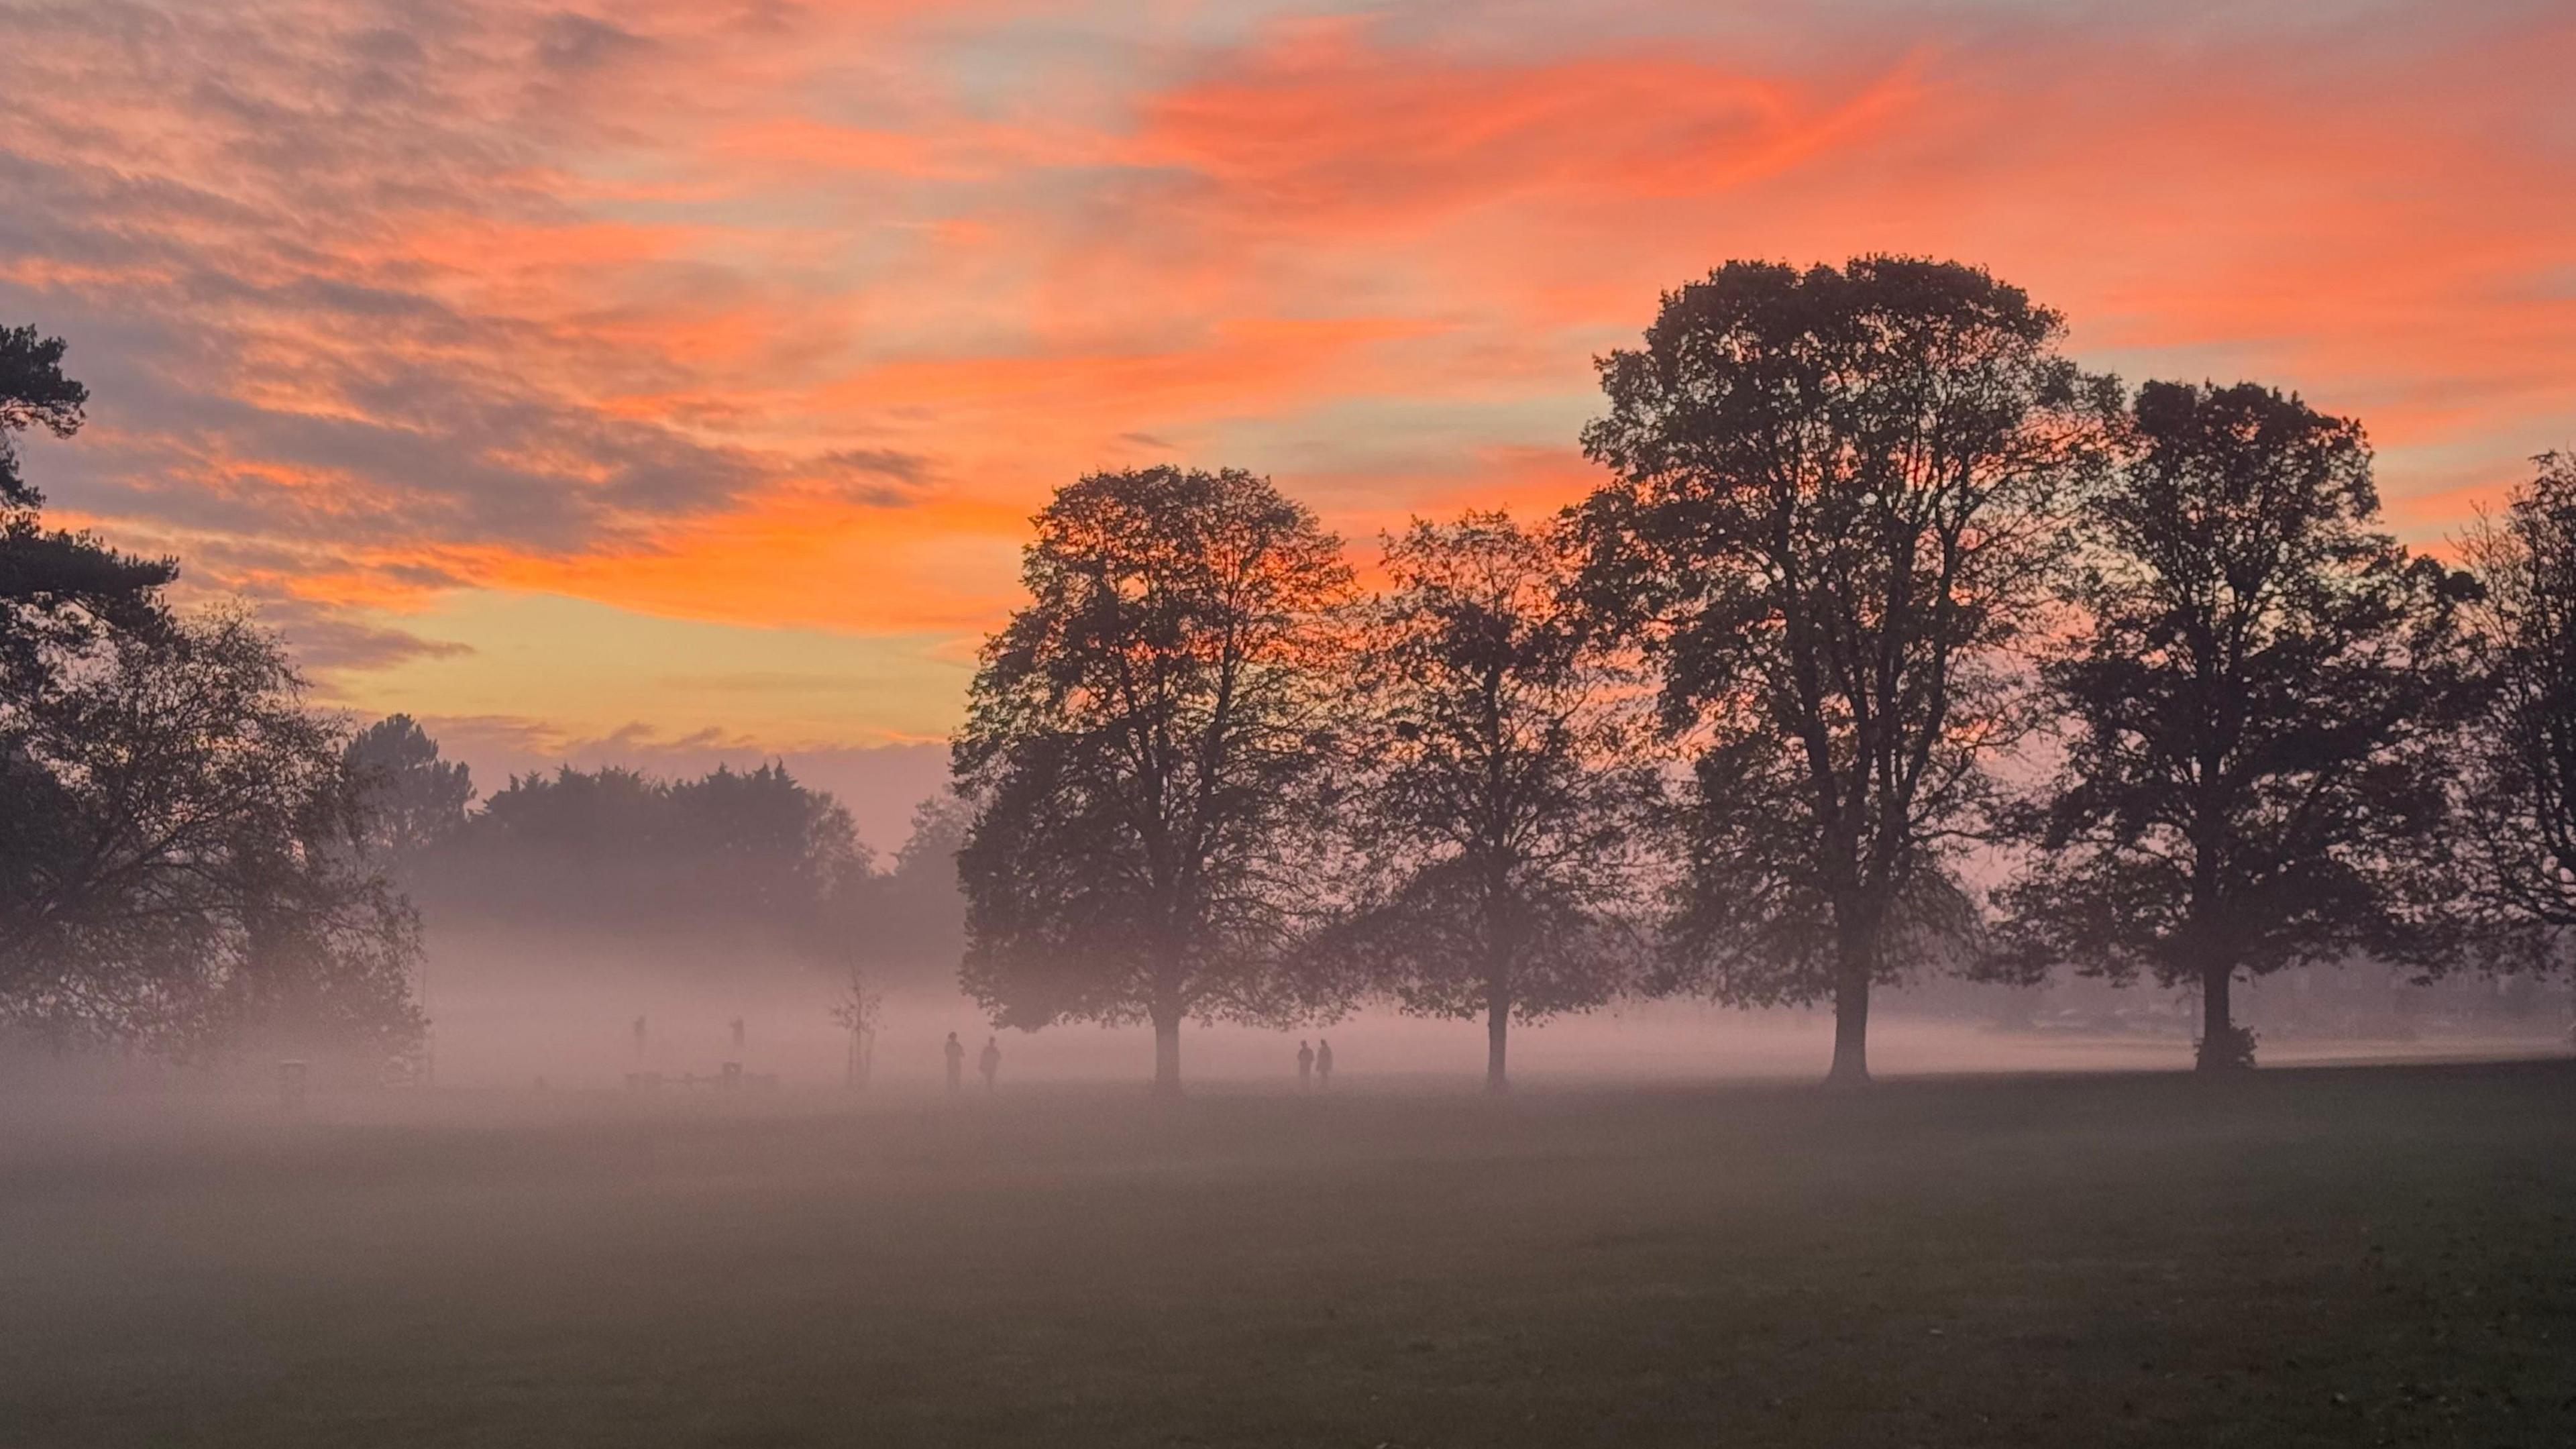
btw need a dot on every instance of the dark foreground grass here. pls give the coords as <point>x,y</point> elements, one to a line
<point>2383,1256</point>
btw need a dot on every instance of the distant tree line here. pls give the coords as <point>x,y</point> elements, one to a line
<point>1879,584</point>
<point>750,865</point>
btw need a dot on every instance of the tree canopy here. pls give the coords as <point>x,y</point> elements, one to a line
<point>2259,692</point>
<point>414,799</point>
<point>178,863</point>
<point>33,393</point>
<point>1838,500</point>
<point>1136,740</point>
<point>733,856</point>
<point>1497,785</point>
<point>177,867</point>
<point>57,589</point>
<point>2517,857</point>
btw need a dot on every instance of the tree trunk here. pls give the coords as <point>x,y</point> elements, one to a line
<point>1167,1052</point>
<point>2219,1051</point>
<point>1855,953</point>
<point>1498,1022</point>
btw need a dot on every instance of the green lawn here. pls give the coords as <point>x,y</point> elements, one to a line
<point>2326,1257</point>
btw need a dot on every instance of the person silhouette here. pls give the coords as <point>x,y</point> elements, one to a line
<point>990,1063</point>
<point>956,1063</point>
<point>737,1036</point>
<point>1323,1063</point>
<point>1305,1066</point>
<point>639,1036</point>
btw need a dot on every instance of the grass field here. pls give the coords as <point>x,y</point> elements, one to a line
<point>2327,1257</point>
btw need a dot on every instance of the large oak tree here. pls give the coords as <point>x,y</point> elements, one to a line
<point>1137,743</point>
<point>1838,501</point>
<point>2260,696</point>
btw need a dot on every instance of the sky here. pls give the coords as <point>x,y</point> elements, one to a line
<point>671,381</point>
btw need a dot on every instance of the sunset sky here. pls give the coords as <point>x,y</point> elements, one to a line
<point>672,380</point>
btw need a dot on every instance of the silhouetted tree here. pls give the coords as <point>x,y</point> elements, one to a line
<point>176,852</point>
<point>1134,740</point>
<point>187,871</point>
<point>1840,499</point>
<point>1497,786</point>
<point>2259,693</point>
<point>735,855</point>
<point>413,800</point>
<point>767,843</point>
<point>57,589</point>
<point>2517,860</point>
<point>859,1010</point>
<point>909,927</point>
<point>33,393</point>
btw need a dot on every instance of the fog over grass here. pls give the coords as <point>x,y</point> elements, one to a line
<point>2297,1257</point>
<point>516,1014</point>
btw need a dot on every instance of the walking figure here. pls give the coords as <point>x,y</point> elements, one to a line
<point>1323,1064</point>
<point>956,1064</point>
<point>990,1063</point>
<point>1305,1066</point>
<point>737,1036</point>
<point>639,1035</point>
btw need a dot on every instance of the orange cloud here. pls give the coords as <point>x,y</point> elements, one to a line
<point>1329,132</point>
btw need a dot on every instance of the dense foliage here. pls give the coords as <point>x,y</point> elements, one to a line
<point>180,858</point>
<point>1498,786</point>
<point>2259,697</point>
<point>1838,500</point>
<point>1136,743</point>
<point>737,858</point>
<point>2517,850</point>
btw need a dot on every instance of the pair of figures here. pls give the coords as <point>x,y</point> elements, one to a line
<point>1314,1065</point>
<point>990,1063</point>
